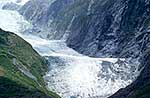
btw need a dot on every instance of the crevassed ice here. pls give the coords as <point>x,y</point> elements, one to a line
<point>19,2</point>
<point>13,21</point>
<point>76,75</point>
<point>73,75</point>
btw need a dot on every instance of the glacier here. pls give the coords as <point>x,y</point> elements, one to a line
<point>8,24</point>
<point>73,75</point>
<point>19,2</point>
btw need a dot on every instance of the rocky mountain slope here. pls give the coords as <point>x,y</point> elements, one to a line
<point>21,69</point>
<point>93,26</point>
<point>43,14</point>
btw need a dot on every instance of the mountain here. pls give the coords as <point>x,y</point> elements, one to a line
<point>102,28</point>
<point>117,28</point>
<point>114,28</point>
<point>21,69</point>
<point>42,13</point>
<point>95,25</point>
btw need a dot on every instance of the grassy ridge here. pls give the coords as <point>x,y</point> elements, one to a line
<point>21,66</point>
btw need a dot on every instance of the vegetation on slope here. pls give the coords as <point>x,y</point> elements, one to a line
<point>21,69</point>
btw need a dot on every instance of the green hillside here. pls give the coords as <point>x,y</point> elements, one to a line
<point>21,69</point>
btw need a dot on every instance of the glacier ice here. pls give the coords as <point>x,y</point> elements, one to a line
<point>19,2</point>
<point>71,73</point>
<point>13,21</point>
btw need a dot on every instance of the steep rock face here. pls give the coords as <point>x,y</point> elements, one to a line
<point>111,29</point>
<point>93,27</point>
<point>42,14</point>
<point>21,69</point>
<point>34,10</point>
